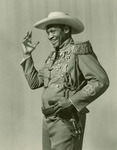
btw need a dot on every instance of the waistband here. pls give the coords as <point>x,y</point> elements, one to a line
<point>50,111</point>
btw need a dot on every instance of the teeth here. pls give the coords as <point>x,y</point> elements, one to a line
<point>53,41</point>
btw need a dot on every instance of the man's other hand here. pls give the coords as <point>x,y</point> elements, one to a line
<point>63,105</point>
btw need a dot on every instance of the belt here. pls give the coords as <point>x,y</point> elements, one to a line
<point>48,111</point>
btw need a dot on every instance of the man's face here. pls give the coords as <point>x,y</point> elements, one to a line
<point>56,35</point>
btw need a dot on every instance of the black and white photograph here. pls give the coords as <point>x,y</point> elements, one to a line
<point>58,75</point>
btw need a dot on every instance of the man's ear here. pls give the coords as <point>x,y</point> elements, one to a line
<point>66,30</point>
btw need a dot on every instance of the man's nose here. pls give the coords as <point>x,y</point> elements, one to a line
<point>50,36</point>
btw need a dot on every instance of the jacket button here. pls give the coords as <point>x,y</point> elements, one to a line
<point>57,86</point>
<point>62,76</point>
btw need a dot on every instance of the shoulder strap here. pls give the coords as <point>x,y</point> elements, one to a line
<point>82,48</point>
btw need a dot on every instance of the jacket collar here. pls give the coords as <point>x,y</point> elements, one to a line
<point>66,44</point>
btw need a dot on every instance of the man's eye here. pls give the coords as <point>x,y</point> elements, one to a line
<point>53,31</point>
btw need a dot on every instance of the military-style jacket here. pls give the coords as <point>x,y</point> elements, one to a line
<point>74,72</point>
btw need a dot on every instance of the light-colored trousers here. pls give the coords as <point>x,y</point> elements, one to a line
<point>57,135</point>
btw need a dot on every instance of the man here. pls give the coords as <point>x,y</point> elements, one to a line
<point>71,79</point>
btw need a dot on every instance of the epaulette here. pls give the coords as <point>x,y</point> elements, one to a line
<point>50,56</point>
<point>82,48</point>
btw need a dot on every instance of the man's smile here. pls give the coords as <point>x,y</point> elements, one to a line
<point>54,42</point>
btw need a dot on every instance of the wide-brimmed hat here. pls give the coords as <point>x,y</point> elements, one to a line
<point>61,18</point>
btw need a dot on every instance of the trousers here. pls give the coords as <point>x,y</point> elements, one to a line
<point>56,134</point>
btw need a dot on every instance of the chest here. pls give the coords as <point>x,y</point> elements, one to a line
<point>63,63</point>
<point>64,69</point>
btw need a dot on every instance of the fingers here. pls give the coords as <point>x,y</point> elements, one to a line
<point>28,46</point>
<point>56,106</point>
<point>57,109</point>
<point>57,113</point>
<point>35,45</point>
<point>28,37</point>
<point>27,40</point>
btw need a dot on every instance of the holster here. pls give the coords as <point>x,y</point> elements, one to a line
<point>71,118</point>
<point>73,122</point>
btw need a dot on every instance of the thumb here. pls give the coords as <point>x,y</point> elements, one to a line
<point>51,102</point>
<point>35,45</point>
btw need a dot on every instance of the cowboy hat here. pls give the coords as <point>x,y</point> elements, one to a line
<point>61,18</point>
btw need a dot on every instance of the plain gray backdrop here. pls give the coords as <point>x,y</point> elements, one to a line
<point>20,112</point>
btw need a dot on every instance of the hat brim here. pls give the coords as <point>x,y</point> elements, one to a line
<point>75,24</point>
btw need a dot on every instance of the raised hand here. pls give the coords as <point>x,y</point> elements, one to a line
<point>27,45</point>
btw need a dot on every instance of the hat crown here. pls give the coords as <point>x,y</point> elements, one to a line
<point>55,14</point>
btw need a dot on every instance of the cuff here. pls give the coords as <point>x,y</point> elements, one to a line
<point>24,59</point>
<point>74,105</point>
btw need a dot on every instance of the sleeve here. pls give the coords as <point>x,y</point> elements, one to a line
<point>96,81</point>
<point>34,78</point>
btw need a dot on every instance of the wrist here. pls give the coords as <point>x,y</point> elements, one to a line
<point>26,55</point>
